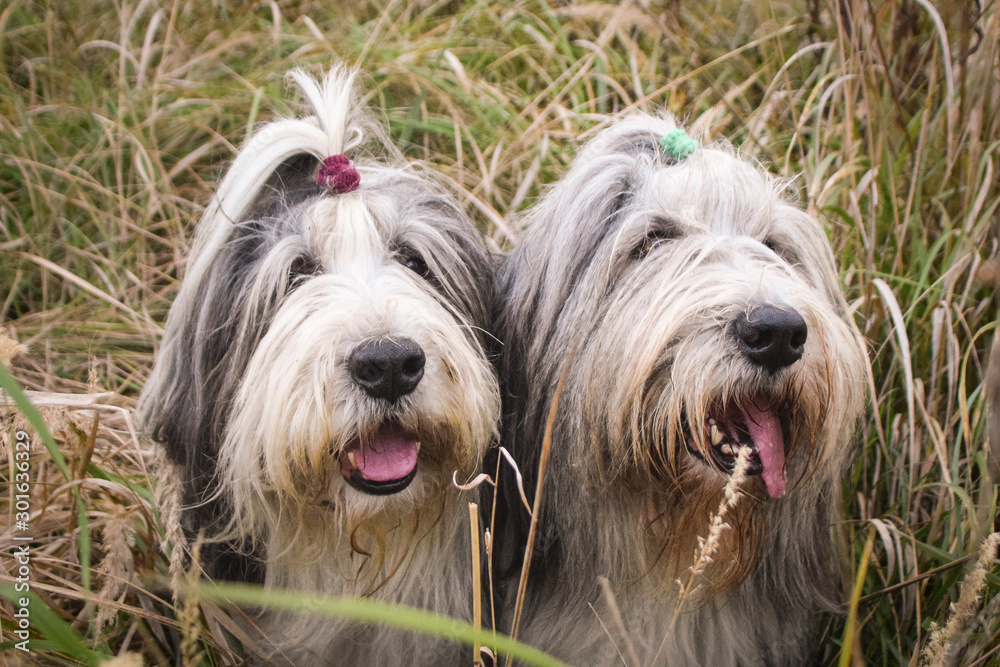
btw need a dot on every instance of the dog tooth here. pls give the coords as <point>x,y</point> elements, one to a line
<point>350,457</point>
<point>711,421</point>
<point>727,449</point>
<point>716,435</point>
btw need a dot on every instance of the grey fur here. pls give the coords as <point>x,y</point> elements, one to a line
<point>626,282</point>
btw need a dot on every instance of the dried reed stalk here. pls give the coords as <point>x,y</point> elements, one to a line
<point>942,646</point>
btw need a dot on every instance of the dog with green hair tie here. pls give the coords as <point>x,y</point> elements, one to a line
<point>677,341</point>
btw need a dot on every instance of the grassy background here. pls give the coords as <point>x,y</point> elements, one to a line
<point>116,119</point>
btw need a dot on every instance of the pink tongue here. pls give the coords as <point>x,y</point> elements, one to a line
<point>765,429</point>
<point>390,455</point>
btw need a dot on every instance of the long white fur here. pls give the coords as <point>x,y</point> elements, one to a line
<point>324,134</point>
<point>293,404</point>
<point>642,342</point>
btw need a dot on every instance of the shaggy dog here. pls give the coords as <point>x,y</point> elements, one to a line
<point>689,311</point>
<point>324,371</point>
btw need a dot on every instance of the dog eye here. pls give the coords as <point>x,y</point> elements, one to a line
<point>414,261</point>
<point>301,268</point>
<point>786,252</point>
<point>653,240</point>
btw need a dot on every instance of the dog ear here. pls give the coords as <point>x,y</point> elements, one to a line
<point>600,185</point>
<point>198,363</point>
<point>206,347</point>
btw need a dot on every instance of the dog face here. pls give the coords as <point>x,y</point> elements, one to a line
<point>327,352</point>
<point>738,333</point>
<point>693,310</point>
<point>370,382</point>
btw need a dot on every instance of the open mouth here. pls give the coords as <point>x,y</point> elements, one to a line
<point>760,430</point>
<point>382,465</point>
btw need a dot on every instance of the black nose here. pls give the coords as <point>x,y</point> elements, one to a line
<point>771,337</point>
<point>387,368</point>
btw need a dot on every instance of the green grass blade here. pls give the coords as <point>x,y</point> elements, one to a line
<point>57,632</point>
<point>375,611</point>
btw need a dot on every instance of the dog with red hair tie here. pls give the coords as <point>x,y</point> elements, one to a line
<point>325,369</point>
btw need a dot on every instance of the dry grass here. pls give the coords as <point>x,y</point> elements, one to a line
<point>116,120</point>
<point>708,546</point>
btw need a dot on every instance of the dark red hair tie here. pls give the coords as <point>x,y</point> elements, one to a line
<point>338,175</point>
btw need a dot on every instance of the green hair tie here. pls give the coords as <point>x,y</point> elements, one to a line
<point>677,144</point>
